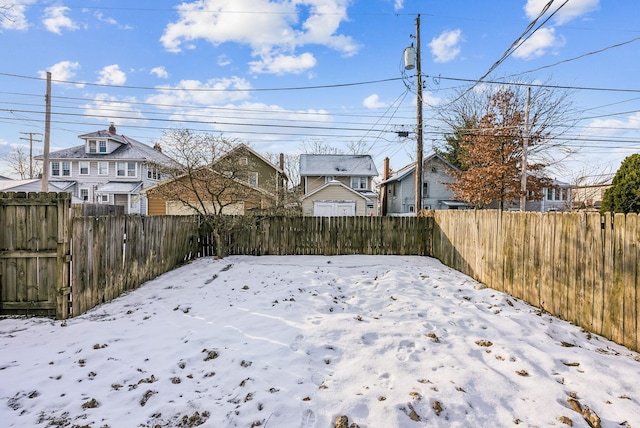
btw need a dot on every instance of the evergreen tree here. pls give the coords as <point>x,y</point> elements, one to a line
<point>624,194</point>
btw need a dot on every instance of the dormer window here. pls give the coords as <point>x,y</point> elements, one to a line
<point>92,146</point>
<point>102,146</point>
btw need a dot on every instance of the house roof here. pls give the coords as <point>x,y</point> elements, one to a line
<point>337,165</point>
<point>129,149</point>
<point>337,183</point>
<point>409,169</point>
<point>243,146</point>
<point>119,187</point>
<point>31,185</point>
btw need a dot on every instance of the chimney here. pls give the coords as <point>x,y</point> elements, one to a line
<point>282,161</point>
<point>112,129</point>
<point>385,169</point>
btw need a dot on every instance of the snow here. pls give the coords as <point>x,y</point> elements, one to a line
<point>283,341</point>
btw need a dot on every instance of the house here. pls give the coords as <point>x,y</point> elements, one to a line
<point>589,197</point>
<point>242,178</point>
<point>338,185</point>
<point>398,188</point>
<point>556,197</point>
<point>107,168</point>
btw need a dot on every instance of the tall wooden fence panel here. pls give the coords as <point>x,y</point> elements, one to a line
<point>34,253</point>
<point>322,235</point>
<point>581,267</point>
<point>116,254</point>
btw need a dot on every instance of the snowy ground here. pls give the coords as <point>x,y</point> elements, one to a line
<point>282,342</point>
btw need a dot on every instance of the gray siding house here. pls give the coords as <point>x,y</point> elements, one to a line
<point>107,169</point>
<point>399,188</point>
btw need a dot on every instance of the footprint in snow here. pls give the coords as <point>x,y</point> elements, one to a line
<point>308,419</point>
<point>296,343</point>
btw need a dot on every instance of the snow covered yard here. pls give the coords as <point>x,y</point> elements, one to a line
<point>278,342</point>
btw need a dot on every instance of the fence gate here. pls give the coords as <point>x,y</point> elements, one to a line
<point>35,254</point>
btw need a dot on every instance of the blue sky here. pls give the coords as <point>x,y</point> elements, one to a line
<point>280,75</point>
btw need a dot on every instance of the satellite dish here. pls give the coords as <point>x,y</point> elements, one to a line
<point>409,58</point>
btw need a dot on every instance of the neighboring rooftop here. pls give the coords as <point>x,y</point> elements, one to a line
<point>337,165</point>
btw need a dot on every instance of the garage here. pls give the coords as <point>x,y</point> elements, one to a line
<point>334,208</point>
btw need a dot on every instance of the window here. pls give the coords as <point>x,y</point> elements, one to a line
<point>84,168</point>
<point>102,146</point>
<point>359,183</point>
<point>153,173</point>
<point>66,169</point>
<point>425,190</point>
<point>549,195</point>
<point>329,178</point>
<point>103,168</point>
<point>558,194</point>
<point>244,161</point>
<point>103,199</point>
<point>126,169</point>
<point>134,201</point>
<point>92,146</point>
<point>253,179</point>
<point>84,194</point>
<point>55,169</point>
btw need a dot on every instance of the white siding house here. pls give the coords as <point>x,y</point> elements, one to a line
<point>107,168</point>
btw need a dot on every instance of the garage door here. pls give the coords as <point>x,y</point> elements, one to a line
<point>334,209</point>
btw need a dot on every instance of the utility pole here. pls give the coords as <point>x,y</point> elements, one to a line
<point>31,141</point>
<point>525,147</point>
<point>47,133</point>
<point>418,178</point>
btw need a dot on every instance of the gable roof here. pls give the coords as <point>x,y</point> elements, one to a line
<point>337,165</point>
<point>336,183</point>
<point>129,149</point>
<point>242,146</point>
<point>409,169</point>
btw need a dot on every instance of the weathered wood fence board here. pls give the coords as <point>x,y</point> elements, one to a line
<point>115,254</point>
<point>34,253</point>
<point>581,267</point>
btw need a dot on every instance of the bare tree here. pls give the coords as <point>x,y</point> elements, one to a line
<point>211,176</point>
<point>19,161</point>
<point>319,147</point>
<point>494,119</point>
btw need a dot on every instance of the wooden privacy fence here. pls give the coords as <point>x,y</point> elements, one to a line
<point>323,235</point>
<point>581,267</point>
<point>35,253</point>
<point>115,254</point>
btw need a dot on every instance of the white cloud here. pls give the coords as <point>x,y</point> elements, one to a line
<point>55,19</point>
<point>160,72</point>
<point>539,43</point>
<point>281,64</point>
<point>211,92</point>
<point>373,101</point>
<point>398,4</point>
<point>569,11</point>
<point>274,29</point>
<point>104,105</point>
<point>112,75</point>
<point>64,70</point>
<point>446,46</point>
<point>14,16</point>
<point>224,60</point>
